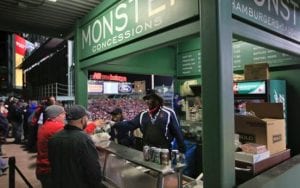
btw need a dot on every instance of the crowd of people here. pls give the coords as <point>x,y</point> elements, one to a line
<point>100,108</point>
<point>66,153</point>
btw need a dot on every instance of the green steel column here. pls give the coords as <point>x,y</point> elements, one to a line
<point>81,76</point>
<point>218,117</point>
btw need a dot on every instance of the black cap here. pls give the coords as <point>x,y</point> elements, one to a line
<point>116,111</point>
<point>154,96</point>
<point>76,112</point>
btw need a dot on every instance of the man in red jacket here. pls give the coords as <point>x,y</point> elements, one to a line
<point>54,123</point>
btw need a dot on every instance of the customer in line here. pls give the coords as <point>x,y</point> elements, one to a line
<point>54,123</point>
<point>125,138</point>
<point>73,156</point>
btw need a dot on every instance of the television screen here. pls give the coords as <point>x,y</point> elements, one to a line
<point>125,87</point>
<point>110,87</point>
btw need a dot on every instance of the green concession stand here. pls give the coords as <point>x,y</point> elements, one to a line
<point>160,36</point>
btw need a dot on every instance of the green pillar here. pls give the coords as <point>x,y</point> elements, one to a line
<point>81,76</point>
<point>218,117</point>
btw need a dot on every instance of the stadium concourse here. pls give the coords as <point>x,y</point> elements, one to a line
<point>25,161</point>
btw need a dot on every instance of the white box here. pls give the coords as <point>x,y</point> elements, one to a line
<point>251,158</point>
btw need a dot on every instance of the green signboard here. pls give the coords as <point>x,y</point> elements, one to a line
<point>246,53</point>
<point>280,16</point>
<point>131,19</point>
<point>189,63</point>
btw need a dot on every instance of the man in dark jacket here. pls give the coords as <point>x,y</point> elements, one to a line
<point>72,154</point>
<point>121,137</point>
<point>158,124</point>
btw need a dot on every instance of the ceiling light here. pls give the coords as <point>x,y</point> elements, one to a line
<point>52,0</point>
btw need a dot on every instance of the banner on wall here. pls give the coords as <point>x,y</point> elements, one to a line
<point>20,52</point>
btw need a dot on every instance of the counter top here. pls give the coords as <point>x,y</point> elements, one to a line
<point>137,157</point>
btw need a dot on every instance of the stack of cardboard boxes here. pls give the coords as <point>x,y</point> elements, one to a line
<point>266,124</point>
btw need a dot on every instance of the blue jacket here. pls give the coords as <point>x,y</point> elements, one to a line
<point>158,131</point>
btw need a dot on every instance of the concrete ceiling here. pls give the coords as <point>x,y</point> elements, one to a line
<point>44,17</point>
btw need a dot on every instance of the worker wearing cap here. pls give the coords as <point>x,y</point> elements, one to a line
<point>125,138</point>
<point>72,154</point>
<point>158,124</point>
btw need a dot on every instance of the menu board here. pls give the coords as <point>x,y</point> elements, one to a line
<point>246,53</point>
<point>189,63</point>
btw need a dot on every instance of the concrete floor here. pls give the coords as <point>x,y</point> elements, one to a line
<point>25,161</point>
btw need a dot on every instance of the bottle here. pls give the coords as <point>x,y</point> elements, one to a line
<point>164,157</point>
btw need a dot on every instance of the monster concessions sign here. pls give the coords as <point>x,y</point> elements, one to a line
<point>279,16</point>
<point>131,19</point>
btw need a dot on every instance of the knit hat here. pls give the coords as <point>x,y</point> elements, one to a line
<point>76,112</point>
<point>152,95</point>
<point>53,111</point>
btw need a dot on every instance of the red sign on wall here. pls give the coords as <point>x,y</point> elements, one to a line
<point>20,45</point>
<point>100,76</point>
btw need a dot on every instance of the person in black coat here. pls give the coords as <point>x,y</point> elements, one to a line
<point>72,154</point>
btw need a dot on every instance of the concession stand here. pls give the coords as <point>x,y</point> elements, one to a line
<point>195,42</point>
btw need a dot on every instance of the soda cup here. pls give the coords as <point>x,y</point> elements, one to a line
<point>164,157</point>
<point>152,157</point>
<point>146,153</point>
<point>156,154</point>
<point>174,156</point>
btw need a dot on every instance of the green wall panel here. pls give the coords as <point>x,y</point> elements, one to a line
<point>190,44</point>
<point>159,62</point>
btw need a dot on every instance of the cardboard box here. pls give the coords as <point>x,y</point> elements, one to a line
<point>253,148</point>
<point>266,128</point>
<point>250,157</point>
<point>256,71</point>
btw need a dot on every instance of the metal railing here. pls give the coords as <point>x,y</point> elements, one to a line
<point>12,175</point>
<point>53,89</point>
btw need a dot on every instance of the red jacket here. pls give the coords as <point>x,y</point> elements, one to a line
<point>45,132</point>
<point>90,128</point>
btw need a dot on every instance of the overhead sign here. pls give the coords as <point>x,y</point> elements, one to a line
<point>246,53</point>
<point>100,76</point>
<point>280,16</point>
<point>131,19</point>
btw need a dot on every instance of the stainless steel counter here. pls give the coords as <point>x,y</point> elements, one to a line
<point>137,158</point>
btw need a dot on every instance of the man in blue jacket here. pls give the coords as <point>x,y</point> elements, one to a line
<point>158,124</point>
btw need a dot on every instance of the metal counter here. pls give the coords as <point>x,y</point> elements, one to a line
<point>136,157</point>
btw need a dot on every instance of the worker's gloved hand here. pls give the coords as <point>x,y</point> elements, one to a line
<point>181,158</point>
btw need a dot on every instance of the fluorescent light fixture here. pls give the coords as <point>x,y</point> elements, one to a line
<point>52,0</point>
